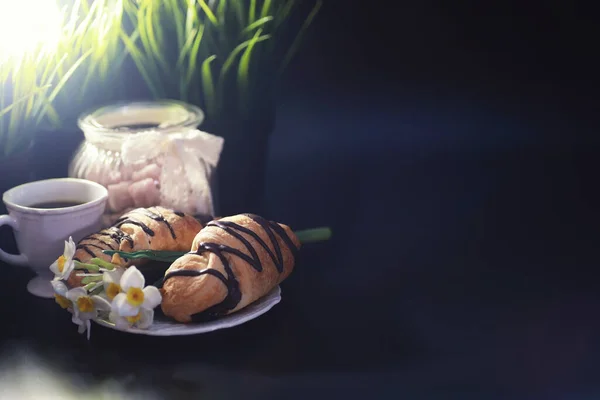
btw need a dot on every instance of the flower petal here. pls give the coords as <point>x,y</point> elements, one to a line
<point>76,293</point>
<point>54,268</point>
<point>113,316</point>
<point>88,326</point>
<point>122,323</point>
<point>113,276</point>
<point>152,297</point>
<point>60,288</point>
<point>122,307</point>
<point>146,319</point>
<point>132,278</point>
<point>76,320</point>
<point>84,316</point>
<point>70,248</point>
<point>100,303</point>
<point>68,269</point>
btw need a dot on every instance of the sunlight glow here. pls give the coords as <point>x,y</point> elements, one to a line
<point>28,25</point>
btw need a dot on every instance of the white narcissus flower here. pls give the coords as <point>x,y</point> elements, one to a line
<point>111,282</point>
<point>60,295</point>
<point>142,320</point>
<point>64,265</point>
<point>86,308</point>
<point>134,295</point>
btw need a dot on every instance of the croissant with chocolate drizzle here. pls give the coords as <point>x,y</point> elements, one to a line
<point>233,262</point>
<point>154,228</point>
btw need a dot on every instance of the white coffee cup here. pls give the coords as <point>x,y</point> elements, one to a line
<point>43,215</point>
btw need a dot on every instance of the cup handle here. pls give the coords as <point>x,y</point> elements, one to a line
<point>16,259</point>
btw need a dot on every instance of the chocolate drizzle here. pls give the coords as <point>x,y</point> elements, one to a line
<point>233,289</point>
<point>95,239</point>
<point>132,221</point>
<point>86,248</point>
<point>158,218</point>
<point>117,235</point>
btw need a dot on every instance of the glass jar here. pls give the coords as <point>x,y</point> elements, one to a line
<point>149,154</point>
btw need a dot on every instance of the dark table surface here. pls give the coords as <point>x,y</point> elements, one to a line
<point>463,265</point>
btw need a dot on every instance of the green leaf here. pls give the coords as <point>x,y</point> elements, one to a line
<point>221,10</point>
<point>185,50</point>
<point>151,37</point>
<point>284,13</point>
<point>313,235</point>
<point>6,109</point>
<point>140,63</point>
<point>265,8</point>
<point>256,24</point>
<point>63,81</point>
<point>294,47</point>
<point>163,256</point>
<point>179,22</point>
<point>252,11</point>
<point>208,12</point>
<point>244,67</point>
<point>231,58</point>
<point>208,85</point>
<point>194,55</point>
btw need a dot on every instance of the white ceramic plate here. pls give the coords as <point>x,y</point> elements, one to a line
<point>165,327</point>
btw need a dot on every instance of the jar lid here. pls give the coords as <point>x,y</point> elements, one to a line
<point>110,123</point>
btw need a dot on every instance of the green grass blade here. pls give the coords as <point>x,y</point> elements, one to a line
<point>47,79</point>
<point>284,13</point>
<point>50,113</point>
<point>23,99</point>
<point>208,85</point>
<point>62,82</point>
<point>266,8</point>
<point>179,21</point>
<point>244,66</point>
<point>192,61</point>
<point>185,50</point>
<point>208,12</point>
<point>221,9</point>
<point>191,18</point>
<point>239,12</point>
<point>252,11</point>
<point>232,56</point>
<point>140,63</point>
<point>256,24</point>
<point>154,45</point>
<point>294,47</point>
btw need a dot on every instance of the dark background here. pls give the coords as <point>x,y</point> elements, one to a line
<point>453,150</point>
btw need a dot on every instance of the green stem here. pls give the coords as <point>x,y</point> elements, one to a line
<point>91,279</point>
<point>96,291</point>
<point>103,264</point>
<point>314,235</point>
<point>90,285</point>
<point>89,267</point>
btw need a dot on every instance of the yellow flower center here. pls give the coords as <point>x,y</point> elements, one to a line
<point>62,301</point>
<point>135,318</point>
<point>85,304</point>
<point>135,296</point>
<point>113,290</point>
<point>61,263</point>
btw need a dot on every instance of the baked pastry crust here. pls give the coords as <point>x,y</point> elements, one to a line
<point>154,228</point>
<point>233,262</point>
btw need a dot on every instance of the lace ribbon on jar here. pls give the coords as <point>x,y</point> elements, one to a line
<point>185,161</point>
